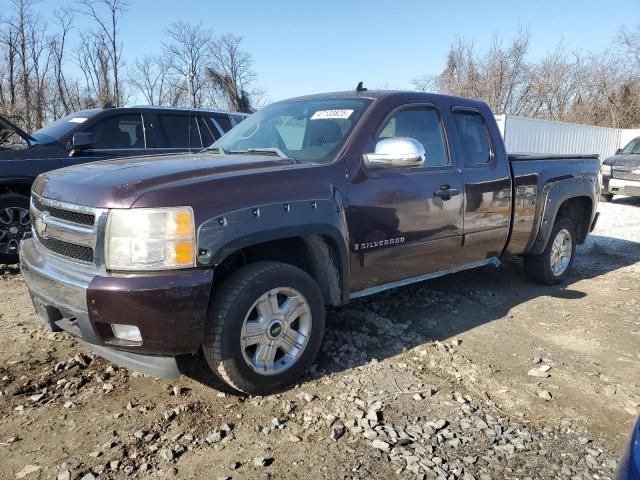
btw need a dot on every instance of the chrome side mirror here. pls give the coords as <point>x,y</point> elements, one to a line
<point>397,152</point>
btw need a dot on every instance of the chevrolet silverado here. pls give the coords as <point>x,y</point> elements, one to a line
<point>235,251</point>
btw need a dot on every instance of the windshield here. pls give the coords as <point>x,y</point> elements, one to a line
<point>59,129</point>
<point>633,146</point>
<point>305,130</point>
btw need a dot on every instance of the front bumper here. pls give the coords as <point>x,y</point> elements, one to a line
<point>617,186</point>
<point>169,308</point>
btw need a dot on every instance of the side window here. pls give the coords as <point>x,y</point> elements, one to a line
<point>208,132</point>
<point>474,137</point>
<point>224,122</point>
<point>422,124</point>
<point>181,131</point>
<point>119,131</point>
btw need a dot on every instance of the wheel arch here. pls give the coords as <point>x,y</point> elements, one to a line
<point>573,198</point>
<point>310,235</point>
<point>19,185</point>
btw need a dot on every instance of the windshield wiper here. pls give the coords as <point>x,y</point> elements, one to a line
<point>264,150</point>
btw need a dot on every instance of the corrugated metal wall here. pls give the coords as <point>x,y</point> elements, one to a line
<point>527,135</point>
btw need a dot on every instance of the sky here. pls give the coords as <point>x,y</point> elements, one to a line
<point>301,47</point>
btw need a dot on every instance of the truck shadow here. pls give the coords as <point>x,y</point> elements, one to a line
<point>627,201</point>
<point>384,325</point>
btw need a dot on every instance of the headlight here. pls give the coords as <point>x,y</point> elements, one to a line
<point>150,239</point>
<point>605,170</point>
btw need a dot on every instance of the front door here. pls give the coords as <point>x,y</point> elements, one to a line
<point>401,224</point>
<point>116,135</point>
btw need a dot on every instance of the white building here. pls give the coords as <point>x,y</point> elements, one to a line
<point>527,135</point>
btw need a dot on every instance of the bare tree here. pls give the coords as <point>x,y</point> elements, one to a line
<point>92,58</point>
<point>9,72</point>
<point>599,89</point>
<point>23,16</point>
<point>628,43</point>
<point>58,44</point>
<point>152,77</point>
<point>231,72</point>
<point>107,35</point>
<point>188,53</point>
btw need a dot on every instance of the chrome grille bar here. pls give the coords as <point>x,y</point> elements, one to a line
<point>67,230</point>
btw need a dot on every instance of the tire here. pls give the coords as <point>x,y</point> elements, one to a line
<point>236,304</point>
<point>539,268</point>
<point>14,223</point>
<point>606,197</point>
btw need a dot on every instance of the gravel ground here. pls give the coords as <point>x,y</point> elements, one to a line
<point>478,375</point>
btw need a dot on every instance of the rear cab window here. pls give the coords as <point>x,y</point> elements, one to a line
<point>474,137</point>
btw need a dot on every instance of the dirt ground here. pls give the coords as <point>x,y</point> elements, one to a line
<point>427,381</point>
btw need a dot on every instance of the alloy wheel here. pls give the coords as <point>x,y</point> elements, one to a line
<point>15,223</point>
<point>561,251</point>
<point>276,331</point>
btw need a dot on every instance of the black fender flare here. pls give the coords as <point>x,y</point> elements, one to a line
<point>555,193</point>
<point>219,237</point>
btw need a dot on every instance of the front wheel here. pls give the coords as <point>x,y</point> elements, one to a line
<point>554,263</point>
<point>606,197</point>
<point>265,327</point>
<point>14,225</point>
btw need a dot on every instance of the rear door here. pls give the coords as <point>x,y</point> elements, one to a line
<point>400,226</point>
<point>177,132</point>
<point>487,184</point>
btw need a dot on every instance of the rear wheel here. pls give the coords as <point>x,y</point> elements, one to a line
<point>265,327</point>
<point>606,197</point>
<point>14,224</point>
<point>554,263</point>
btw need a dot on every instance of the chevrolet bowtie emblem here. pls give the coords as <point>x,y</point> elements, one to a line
<point>41,225</point>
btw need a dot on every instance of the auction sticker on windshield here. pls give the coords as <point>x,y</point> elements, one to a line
<point>332,114</point>
<point>78,120</point>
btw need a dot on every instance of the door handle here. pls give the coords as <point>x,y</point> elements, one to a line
<point>446,192</point>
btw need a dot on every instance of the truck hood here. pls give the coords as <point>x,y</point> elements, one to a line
<point>7,128</point>
<point>119,183</point>
<point>630,160</point>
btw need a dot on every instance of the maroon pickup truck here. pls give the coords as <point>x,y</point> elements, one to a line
<point>235,251</point>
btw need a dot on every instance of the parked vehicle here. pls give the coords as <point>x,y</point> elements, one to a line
<point>621,173</point>
<point>87,136</point>
<point>309,202</point>
<point>629,466</point>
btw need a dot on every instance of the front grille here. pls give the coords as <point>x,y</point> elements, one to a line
<point>66,229</point>
<point>625,175</point>
<point>67,215</point>
<point>77,252</point>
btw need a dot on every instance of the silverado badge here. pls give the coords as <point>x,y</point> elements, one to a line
<point>378,243</point>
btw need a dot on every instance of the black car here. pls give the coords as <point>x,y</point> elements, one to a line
<point>88,136</point>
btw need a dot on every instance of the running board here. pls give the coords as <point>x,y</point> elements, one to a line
<point>408,281</point>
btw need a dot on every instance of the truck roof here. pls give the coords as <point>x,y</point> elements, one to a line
<point>378,94</point>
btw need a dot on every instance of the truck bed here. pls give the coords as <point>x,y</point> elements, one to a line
<point>534,176</point>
